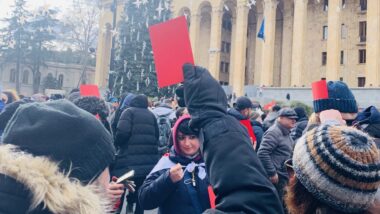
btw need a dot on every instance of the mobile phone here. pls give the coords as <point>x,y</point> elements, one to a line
<point>125,176</point>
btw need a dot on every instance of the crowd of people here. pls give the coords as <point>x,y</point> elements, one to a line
<point>193,153</point>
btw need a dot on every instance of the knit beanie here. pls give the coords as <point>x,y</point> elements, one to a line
<point>339,166</point>
<point>69,136</point>
<point>340,98</point>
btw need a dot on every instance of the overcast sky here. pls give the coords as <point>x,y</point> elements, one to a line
<point>31,4</point>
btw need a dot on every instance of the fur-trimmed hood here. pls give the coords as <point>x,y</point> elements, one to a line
<point>48,186</point>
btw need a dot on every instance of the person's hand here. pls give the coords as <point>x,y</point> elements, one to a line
<point>331,116</point>
<point>114,190</point>
<point>274,179</point>
<point>176,173</point>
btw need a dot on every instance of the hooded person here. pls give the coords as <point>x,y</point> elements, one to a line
<point>124,104</point>
<point>301,124</point>
<point>137,143</point>
<point>235,172</point>
<point>54,159</point>
<point>178,183</point>
<point>335,169</point>
<point>368,121</point>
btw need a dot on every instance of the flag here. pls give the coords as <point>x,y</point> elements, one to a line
<point>261,33</point>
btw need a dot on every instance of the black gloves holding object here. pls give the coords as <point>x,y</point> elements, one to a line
<point>236,175</point>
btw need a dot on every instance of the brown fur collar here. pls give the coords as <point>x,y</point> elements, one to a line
<point>48,185</point>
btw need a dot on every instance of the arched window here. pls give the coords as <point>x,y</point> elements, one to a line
<point>60,81</point>
<point>12,75</point>
<point>25,77</point>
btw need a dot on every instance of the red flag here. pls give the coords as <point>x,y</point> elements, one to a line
<point>89,90</point>
<point>319,89</point>
<point>171,50</point>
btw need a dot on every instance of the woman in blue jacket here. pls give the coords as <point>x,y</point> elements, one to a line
<point>178,183</point>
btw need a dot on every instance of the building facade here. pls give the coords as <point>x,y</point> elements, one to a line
<point>304,41</point>
<point>68,76</point>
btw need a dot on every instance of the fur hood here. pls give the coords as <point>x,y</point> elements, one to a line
<point>48,186</point>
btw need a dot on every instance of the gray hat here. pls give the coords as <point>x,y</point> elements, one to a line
<point>288,112</point>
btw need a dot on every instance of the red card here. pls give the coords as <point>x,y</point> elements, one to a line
<point>89,90</point>
<point>171,50</point>
<point>247,124</point>
<point>320,90</point>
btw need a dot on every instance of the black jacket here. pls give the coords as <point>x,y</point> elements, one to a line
<point>297,131</point>
<point>159,191</point>
<point>226,147</point>
<point>136,140</point>
<point>369,121</point>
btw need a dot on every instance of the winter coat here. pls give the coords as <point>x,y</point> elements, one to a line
<point>369,121</point>
<point>158,190</point>
<point>29,183</point>
<point>124,104</point>
<point>259,132</point>
<point>136,140</point>
<point>226,147</point>
<point>297,131</point>
<point>276,147</point>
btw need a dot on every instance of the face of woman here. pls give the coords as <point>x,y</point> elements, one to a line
<point>188,144</point>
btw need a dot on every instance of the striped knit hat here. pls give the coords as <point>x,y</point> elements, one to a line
<point>340,166</point>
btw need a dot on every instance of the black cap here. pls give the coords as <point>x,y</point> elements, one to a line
<point>288,112</point>
<point>243,103</point>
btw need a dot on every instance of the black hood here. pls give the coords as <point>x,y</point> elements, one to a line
<point>140,101</point>
<point>204,97</point>
<point>236,114</point>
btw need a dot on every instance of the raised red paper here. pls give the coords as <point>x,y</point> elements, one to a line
<point>171,50</point>
<point>319,89</point>
<point>89,90</point>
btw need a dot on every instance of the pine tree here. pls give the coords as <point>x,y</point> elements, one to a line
<point>15,37</point>
<point>134,65</point>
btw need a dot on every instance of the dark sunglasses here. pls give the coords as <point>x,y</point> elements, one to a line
<point>289,167</point>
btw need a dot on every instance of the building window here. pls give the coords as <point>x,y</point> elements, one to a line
<point>325,5</point>
<point>324,58</point>
<point>226,67</point>
<point>25,77</point>
<point>325,32</point>
<point>12,75</point>
<point>363,5</point>
<point>363,31</point>
<point>323,78</point>
<point>361,81</point>
<point>226,47</point>
<point>227,24</point>
<point>221,69</point>
<point>343,3</point>
<point>60,81</point>
<point>343,32</point>
<point>341,79</point>
<point>362,56</point>
<point>341,57</point>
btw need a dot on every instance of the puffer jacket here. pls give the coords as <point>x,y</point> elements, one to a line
<point>34,185</point>
<point>247,190</point>
<point>276,147</point>
<point>136,140</point>
<point>159,191</point>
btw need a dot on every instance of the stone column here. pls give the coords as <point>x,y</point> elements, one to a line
<point>240,46</point>
<point>258,52</point>
<point>287,44</point>
<point>215,41</point>
<point>299,34</point>
<point>194,33</point>
<point>270,7</point>
<point>373,44</point>
<point>333,41</point>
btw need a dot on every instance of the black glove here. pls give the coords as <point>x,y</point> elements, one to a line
<point>179,92</point>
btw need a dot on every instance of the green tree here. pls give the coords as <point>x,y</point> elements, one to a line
<point>14,37</point>
<point>50,82</point>
<point>43,29</point>
<point>134,65</point>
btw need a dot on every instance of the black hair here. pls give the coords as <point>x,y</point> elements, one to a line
<point>185,129</point>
